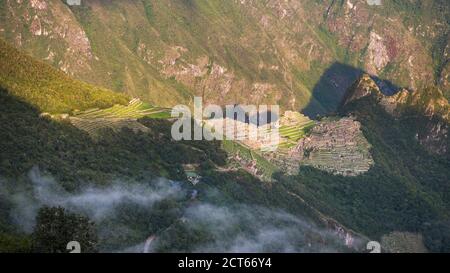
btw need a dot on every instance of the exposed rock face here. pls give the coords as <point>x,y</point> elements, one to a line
<point>389,40</point>
<point>363,87</point>
<point>428,105</point>
<point>431,104</point>
<point>52,23</point>
<point>434,137</point>
<point>227,51</point>
<point>377,56</point>
<point>444,80</point>
<point>36,27</point>
<point>37,4</point>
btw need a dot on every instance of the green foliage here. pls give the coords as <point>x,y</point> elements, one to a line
<point>132,223</point>
<point>131,39</point>
<point>48,89</point>
<point>74,158</point>
<point>437,236</point>
<point>265,168</point>
<point>406,188</point>
<point>14,243</point>
<point>294,133</point>
<point>55,228</point>
<point>438,53</point>
<point>148,10</point>
<point>181,238</point>
<point>430,99</point>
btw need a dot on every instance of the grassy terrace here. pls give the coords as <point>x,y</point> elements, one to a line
<point>134,110</point>
<point>117,117</point>
<point>93,126</point>
<point>291,134</point>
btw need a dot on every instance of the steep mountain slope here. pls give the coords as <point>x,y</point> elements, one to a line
<point>428,108</point>
<point>235,51</point>
<point>407,188</point>
<point>47,88</point>
<point>48,163</point>
<point>299,54</point>
<point>120,180</point>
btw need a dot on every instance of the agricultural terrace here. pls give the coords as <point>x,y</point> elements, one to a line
<point>134,110</point>
<point>293,127</point>
<point>117,117</point>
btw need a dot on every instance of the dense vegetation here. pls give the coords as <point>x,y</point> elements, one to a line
<point>287,44</point>
<point>55,227</point>
<point>407,190</point>
<point>73,157</point>
<point>76,161</point>
<point>48,89</point>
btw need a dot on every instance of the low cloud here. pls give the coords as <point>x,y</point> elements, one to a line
<point>265,230</point>
<point>231,228</point>
<point>96,203</point>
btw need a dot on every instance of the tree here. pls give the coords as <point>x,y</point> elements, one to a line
<point>56,227</point>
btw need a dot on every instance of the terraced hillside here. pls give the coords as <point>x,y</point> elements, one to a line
<point>253,148</point>
<point>336,146</point>
<point>135,109</point>
<point>252,161</point>
<point>293,127</point>
<point>117,117</point>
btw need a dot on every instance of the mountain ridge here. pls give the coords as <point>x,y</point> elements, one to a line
<point>376,168</point>
<point>165,52</point>
<point>428,105</point>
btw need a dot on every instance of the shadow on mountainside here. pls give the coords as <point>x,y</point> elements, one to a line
<point>332,86</point>
<point>75,158</point>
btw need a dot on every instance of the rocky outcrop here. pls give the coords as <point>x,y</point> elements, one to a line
<point>377,54</point>
<point>434,137</point>
<point>237,52</point>
<point>66,44</point>
<point>428,107</point>
<point>379,40</point>
<point>363,87</point>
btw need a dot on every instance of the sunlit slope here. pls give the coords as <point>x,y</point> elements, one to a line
<point>47,88</point>
<point>257,52</point>
<point>135,109</point>
<point>117,117</point>
<point>294,126</point>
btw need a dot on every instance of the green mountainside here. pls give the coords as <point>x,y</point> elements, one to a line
<point>47,88</point>
<point>164,52</point>
<point>377,168</point>
<point>35,148</point>
<point>47,162</point>
<point>407,188</point>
